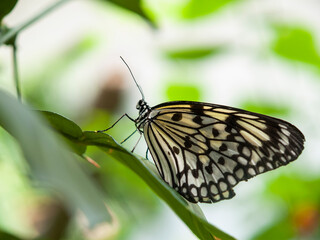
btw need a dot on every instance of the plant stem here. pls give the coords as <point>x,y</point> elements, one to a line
<point>15,71</point>
<point>14,31</point>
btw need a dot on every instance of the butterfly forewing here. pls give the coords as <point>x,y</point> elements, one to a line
<point>202,150</point>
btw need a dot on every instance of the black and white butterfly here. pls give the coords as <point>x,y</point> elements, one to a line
<point>203,150</point>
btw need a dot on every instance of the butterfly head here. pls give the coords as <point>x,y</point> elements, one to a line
<point>144,111</point>
<point>142,106</point>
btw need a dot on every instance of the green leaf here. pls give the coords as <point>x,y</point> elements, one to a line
<point>133,6</point>
<point>192,53</point>
<point>71,131</point>
<point>296,44</point>
<point>7,236</point>
<point>177,92</point>
<point>63,125</point>
<point>6,7</point>
<point>200,8</point>
<point>190,213</point>
<point>50,163</point>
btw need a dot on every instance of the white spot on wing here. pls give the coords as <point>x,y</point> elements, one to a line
<point>254,158</point>
<point>240,173</point>
<point>219,116</point>
<point>251,171</point>
<point>254,131</point>
<point>223,186</point>
<point>251,139</point>
<point>285,131</point>
<point>257,124</point>
<point>283,126</point>
<point>232,180</point>
<point>246,151</point>
<point>246,115</point>
<point>242,160</point>
<point>214,189</point>
<point>225,194</point>
<point>204,191</point>
<point>224,110</point>
<point>204,159</point>
<point>216,197</point>
<point>194,191</point>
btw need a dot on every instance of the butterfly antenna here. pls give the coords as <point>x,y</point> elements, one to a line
<point>140,90</point>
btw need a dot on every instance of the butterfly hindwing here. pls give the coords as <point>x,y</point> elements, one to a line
<point>202,150</point>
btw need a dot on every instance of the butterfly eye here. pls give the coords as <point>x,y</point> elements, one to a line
<point>138,105</point>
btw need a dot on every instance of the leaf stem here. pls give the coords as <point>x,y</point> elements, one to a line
<point>15,71</point>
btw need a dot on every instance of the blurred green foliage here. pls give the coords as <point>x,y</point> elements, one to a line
<point>192,53</point>
<point>266,107</point>
<point>281,229</point>
<point>37,91</point>
<point>116,178</point>
<point>295,189</point>
<point>297,44</point>
<point>199,8</point>
<point>183,91</point>
<point>50,162</point>
<point>300,218</point>
<point>133,6</point>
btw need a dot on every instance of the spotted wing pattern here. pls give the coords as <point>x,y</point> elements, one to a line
<point>203,150</point>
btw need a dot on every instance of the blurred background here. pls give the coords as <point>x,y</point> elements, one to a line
<point>262,56</point>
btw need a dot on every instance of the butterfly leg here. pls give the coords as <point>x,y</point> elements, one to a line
<point>147,153</point>
<point>129,136</point>
<point>124,115</point>
<point>136,143</point>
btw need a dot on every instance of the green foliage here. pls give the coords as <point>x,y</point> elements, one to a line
<point>68,129</point>
<point>176,92</point>
<point>200,8</point>
<point>192,53</point>
<point>296,44</point>
<point>267,108</point>
<point>7,236</point>
<point>133,6</point>
<point>6,7</point>
<point>51,164</point>
<point>295,189</point>
<point>299,216</point>
<point>281,229</point>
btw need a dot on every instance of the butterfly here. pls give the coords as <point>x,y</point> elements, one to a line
<point>203,150</point>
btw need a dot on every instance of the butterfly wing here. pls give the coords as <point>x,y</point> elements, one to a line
<point>203,150</point>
